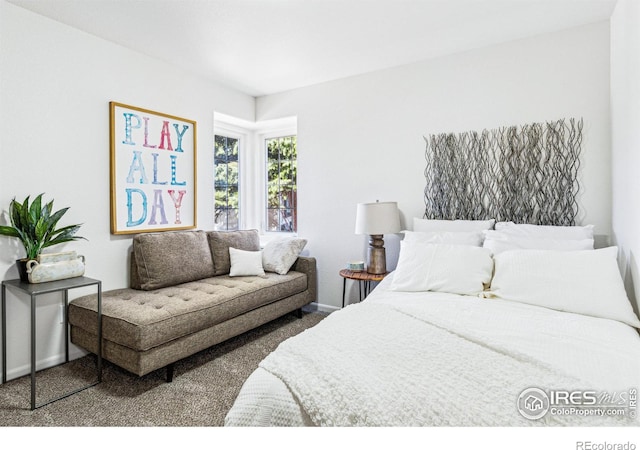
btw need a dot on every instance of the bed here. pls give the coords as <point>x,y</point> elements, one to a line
<point>499,326</point>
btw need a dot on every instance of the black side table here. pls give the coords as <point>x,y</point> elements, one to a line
<point>45,288</point>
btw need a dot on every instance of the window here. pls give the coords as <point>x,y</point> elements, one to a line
<point>255,168</point>
<point>227,201</point>
<point>281,184</point>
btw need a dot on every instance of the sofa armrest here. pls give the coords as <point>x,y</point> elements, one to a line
<point>307,265</point>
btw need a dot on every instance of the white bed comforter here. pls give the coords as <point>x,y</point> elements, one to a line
<point>418,359</point>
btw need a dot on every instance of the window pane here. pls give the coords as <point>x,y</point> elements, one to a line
<point>280,220</point>
<point>286,172</point>
<point>272,220</point>
<point>232,197</point>
<point>286,199</point>
<point>221,197</point>
<point>272,171</point>
<point>221,175</point>
<point>226,219</point>
<point>272,149</point>
<point>219,149</point>
<point>273,196</point>
<point>232,150</point>
<point>232,173</point>
<point>232,219</point>
<point>286,223</point>
<point>226,183</point>
<point>220,219</point>
<point>281,183</point>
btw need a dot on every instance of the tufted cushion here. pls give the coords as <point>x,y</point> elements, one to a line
<point>220,241</point>
<point>142,320</point>
<point>171,257</point>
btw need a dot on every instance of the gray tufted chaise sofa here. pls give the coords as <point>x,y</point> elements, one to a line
<point>182,300</point>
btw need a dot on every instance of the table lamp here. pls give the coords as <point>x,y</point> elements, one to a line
<point>377,219</point>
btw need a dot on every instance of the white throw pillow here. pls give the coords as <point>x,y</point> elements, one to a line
<point>584,282</point>
<point>279,255</point>
<point>499,241</point>
<point>457,269</point>
<point>546,231</point>
<point>445,237</point>
<point>245,263</point>
<point>451,225</point>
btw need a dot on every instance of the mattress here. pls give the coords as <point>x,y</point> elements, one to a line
<point>472,342</point>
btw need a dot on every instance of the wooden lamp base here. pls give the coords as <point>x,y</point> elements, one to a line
<point>377,255</point>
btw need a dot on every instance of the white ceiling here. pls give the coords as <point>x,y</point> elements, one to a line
<point>266,46</point>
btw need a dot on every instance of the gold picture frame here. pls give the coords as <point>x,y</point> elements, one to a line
<point>153,170</point>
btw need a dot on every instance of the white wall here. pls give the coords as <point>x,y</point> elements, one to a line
<point>55,87</point>
<point>625,117</point>
<point>361,138</point>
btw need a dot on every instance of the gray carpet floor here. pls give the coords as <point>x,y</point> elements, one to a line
<point>202,392</point>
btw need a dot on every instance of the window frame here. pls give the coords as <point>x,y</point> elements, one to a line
<point>234,133</point>
<point>262,139</point>
<point>252,160</point>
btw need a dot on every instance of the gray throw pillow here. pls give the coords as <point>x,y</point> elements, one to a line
<point>220,241</point>
<point>171,257</point>
<point>279,255</point>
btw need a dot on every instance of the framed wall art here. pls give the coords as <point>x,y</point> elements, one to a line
<point>153,171</point>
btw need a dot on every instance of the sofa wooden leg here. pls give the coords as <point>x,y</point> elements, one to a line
<point>170,373</point>
<point>299,313</point>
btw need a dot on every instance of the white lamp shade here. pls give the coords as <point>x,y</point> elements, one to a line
<point>377,218</point>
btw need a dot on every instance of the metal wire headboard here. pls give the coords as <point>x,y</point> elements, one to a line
<point>525,174</point>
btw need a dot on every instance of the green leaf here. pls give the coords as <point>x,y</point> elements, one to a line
<point>61,239</point>
<point>8,231</point>
<point>46,209</point>
<point>53,219</point>
<point>24,214</point>
<point>35,209</point>
<point>15,213</point>
<point>64,234</point>
<point>42,226</point>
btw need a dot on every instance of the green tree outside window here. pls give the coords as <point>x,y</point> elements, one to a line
<point>282,184</point>
<point>226,183</point>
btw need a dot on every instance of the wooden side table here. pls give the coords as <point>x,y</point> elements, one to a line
<point>362,277</point>
<point>33,290</point>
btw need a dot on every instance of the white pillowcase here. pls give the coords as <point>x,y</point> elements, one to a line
<point>445,237</point>
<point>583,282</point>
<point>499,241</point>
<point>546,231</point>
<point>245,263</point>
<point>451,225</point>
<point>279,255</point>
<point>457,269</point>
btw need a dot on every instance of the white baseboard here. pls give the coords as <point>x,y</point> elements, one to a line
<point>321,307</point>
<point>51,361</point>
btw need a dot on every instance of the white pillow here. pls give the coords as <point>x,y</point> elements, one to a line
<point>457,269</point>
<point>546,231</point>
<point>499,241</point>
<point>445,237</point>
<point>451,225</point>
<point>245,263</point>
<point>584,282</point>
<point>279,255</point>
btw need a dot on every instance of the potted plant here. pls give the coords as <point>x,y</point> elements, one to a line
<point>35,226</point>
